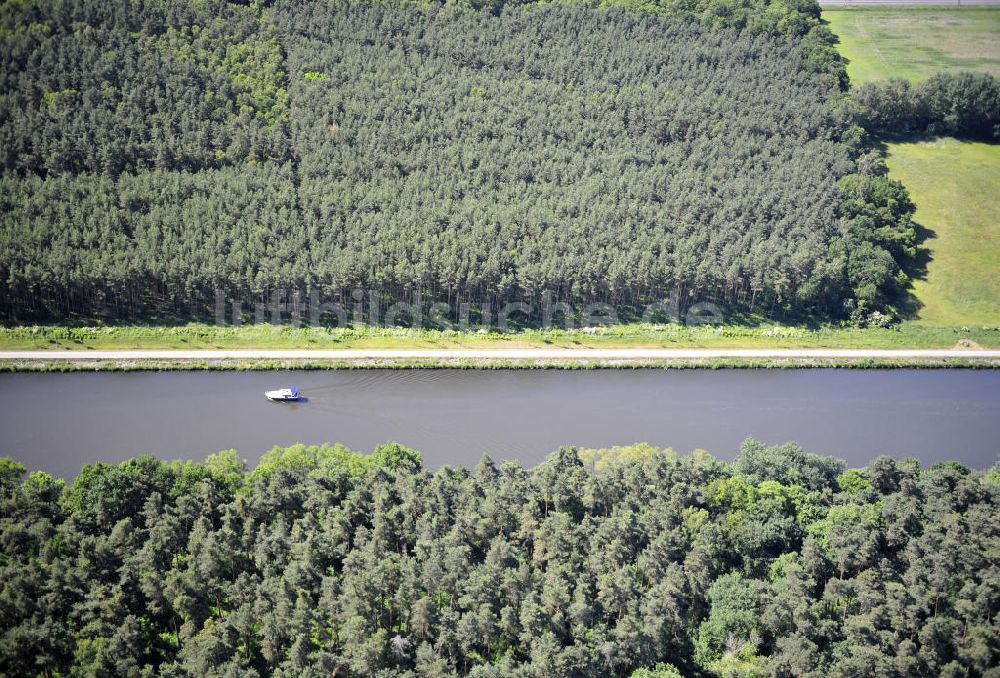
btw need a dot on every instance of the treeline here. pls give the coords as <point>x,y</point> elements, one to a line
<point>630,561</point>
<point>956,104</point>
<point>155,156</point>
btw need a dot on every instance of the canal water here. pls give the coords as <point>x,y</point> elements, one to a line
<point>58,421</point>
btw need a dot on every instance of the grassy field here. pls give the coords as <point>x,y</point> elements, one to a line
<point>194,336</point>
<point>954,185</point>
<point>915,42</point>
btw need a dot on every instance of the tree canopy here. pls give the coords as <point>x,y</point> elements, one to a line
<point>154,154</point>
<point>632,561</point>
<point>959,104</point>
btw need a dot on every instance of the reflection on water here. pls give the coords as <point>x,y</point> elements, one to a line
<point>57,422</point>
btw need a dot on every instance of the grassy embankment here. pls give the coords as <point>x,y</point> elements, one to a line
<point>493,364</point>
<point>191,337</point>
<point>953,183</point>
<point>197,336</point>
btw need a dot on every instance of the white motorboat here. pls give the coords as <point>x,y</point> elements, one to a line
<point>283,394</point>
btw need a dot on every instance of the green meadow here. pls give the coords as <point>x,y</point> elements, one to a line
<point>954,185</point>
<point>916,42</point>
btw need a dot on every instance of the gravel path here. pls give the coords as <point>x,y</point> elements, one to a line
<point>503,354</point>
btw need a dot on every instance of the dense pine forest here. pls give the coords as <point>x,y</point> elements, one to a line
<point>156,152</point>
<point>623,562</point>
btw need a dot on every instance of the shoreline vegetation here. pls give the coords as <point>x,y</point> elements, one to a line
<point>492,364</point>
